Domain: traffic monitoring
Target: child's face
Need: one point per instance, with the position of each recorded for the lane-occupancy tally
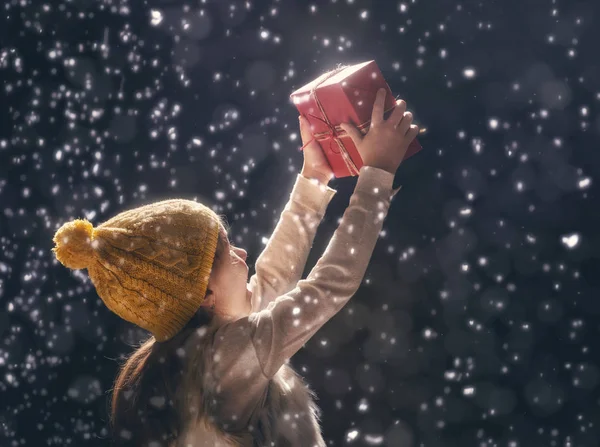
(229, 280)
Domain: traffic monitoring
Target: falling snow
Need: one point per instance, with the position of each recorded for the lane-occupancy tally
(477, 321)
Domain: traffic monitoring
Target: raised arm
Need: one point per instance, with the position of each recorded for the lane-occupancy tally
(251, 350)
(280, 265)
(248, 352)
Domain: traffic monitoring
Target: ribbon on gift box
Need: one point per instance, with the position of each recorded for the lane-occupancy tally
(335, 132)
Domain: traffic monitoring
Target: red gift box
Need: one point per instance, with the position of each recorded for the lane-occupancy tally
(346, 94)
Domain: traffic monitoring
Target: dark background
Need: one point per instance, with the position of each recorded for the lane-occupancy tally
(477, 324)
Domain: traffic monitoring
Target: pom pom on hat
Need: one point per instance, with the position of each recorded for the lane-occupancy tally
(74, 247)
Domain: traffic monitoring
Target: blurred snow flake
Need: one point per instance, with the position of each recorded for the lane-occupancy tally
(469, 73)
(493, 123)
(85, 389)
(374, 439)
(156, 17)
(429, 333)
(158, 401)
(584, 183)
(570, 240)
(477, 145)
(352, 435)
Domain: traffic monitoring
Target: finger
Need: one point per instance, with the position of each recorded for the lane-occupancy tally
(398, 113)
(412, 133)
(377, 114)
(404, 125)
(305, 132)
(354, 134)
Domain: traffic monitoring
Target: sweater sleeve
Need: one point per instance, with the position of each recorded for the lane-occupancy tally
(249, 351)
(280, 265)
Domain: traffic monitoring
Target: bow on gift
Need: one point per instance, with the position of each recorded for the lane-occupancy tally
(334, 133)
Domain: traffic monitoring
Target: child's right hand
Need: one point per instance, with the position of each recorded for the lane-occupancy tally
(386, 142)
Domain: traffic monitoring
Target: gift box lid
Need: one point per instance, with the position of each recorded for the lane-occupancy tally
(335, 79)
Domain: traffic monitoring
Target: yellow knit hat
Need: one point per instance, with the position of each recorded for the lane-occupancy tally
(150, 265)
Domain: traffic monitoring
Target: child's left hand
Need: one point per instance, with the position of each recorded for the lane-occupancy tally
(315, 163)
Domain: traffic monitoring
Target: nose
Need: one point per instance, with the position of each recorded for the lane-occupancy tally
(241, 253)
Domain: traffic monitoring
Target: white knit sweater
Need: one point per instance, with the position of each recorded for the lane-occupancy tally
(251, 397)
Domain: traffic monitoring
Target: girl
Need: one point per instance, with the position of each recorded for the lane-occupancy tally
(214, 372)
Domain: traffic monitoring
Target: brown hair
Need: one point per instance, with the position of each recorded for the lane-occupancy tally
(150, 398)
